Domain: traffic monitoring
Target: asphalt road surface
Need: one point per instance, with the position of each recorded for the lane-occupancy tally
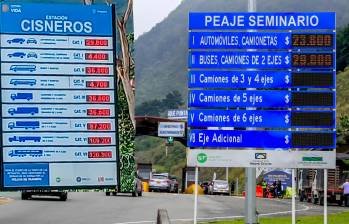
(96, 208)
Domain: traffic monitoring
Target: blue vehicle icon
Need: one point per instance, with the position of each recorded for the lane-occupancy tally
(16, 40)
(24, 124)
(30, 82)
(21, 96)
(29, 68)
(31, 41)
(23, 110)
(23, 153)
(17, 55)
(24, 139)
(32, 55)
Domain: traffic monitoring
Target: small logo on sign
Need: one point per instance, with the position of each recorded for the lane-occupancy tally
(202, 158)
(58, 179)
(260, 156)
(312, 159)
(78, 179)
(5, 8)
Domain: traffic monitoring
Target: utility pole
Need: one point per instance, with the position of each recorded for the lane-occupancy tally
(250, 173)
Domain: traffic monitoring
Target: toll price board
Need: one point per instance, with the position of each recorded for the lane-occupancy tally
(260, 79)
(260, 40)
(266, 139)
(261, 119)
(57, 95)
(261, 99)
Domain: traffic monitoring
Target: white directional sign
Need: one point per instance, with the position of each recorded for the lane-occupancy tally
(171, 129)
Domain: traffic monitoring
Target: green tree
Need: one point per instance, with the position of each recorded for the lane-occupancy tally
(343, 130)
(173, 100)
(343, 48)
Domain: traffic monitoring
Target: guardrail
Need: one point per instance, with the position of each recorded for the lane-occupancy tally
(162, 217)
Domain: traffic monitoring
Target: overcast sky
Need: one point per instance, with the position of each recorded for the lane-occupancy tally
(147, 13)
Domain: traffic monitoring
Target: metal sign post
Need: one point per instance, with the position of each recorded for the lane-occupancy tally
(196, 194)
(293, 196)
(325, 195)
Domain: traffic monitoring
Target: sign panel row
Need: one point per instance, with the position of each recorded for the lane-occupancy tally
(56, 56)
(57, 82)
(261, 159)
(261, 98)
(261, 118)
(56, 69)
(35, 125)
(259, 40)
(67, 96)
(58, 154)
(58, 110)
(266, 139)
(61, 42)
(260, 79)
(260, 60)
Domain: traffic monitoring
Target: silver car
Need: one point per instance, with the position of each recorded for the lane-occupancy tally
(160, 182)
(219, 187)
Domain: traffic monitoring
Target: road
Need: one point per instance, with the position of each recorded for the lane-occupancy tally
(96, 208)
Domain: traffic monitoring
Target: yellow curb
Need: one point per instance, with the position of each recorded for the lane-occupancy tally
(5, 200)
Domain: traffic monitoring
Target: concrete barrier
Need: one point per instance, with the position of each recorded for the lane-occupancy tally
(162, 217)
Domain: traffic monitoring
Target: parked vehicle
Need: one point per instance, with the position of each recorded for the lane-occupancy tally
(160, 182)
(311, 184)
(24, 124)
(22, 96)
(30, 82)
(16, 40)
(23, 110)
(219, 187)
(174, 184)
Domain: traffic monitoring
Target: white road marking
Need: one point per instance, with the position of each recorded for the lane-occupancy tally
(305, 208)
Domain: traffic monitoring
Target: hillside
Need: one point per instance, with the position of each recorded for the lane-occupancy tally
(343, 93)
(161, 54)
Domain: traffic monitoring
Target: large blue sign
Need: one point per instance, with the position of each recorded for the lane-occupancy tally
(248, 118)
(60, 19)
(262, 21)
(259, 79)
(239, 60)
(254, 139)
(59, 65)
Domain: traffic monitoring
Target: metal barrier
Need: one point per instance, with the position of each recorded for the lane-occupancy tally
(162, 217)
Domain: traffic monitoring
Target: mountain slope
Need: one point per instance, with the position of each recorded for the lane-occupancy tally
(161, 54)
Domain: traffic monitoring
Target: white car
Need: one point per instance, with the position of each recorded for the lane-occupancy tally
(219, 187)
(160, 182)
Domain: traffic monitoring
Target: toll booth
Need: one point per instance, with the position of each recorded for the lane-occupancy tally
(144, 171)
(188, 177)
